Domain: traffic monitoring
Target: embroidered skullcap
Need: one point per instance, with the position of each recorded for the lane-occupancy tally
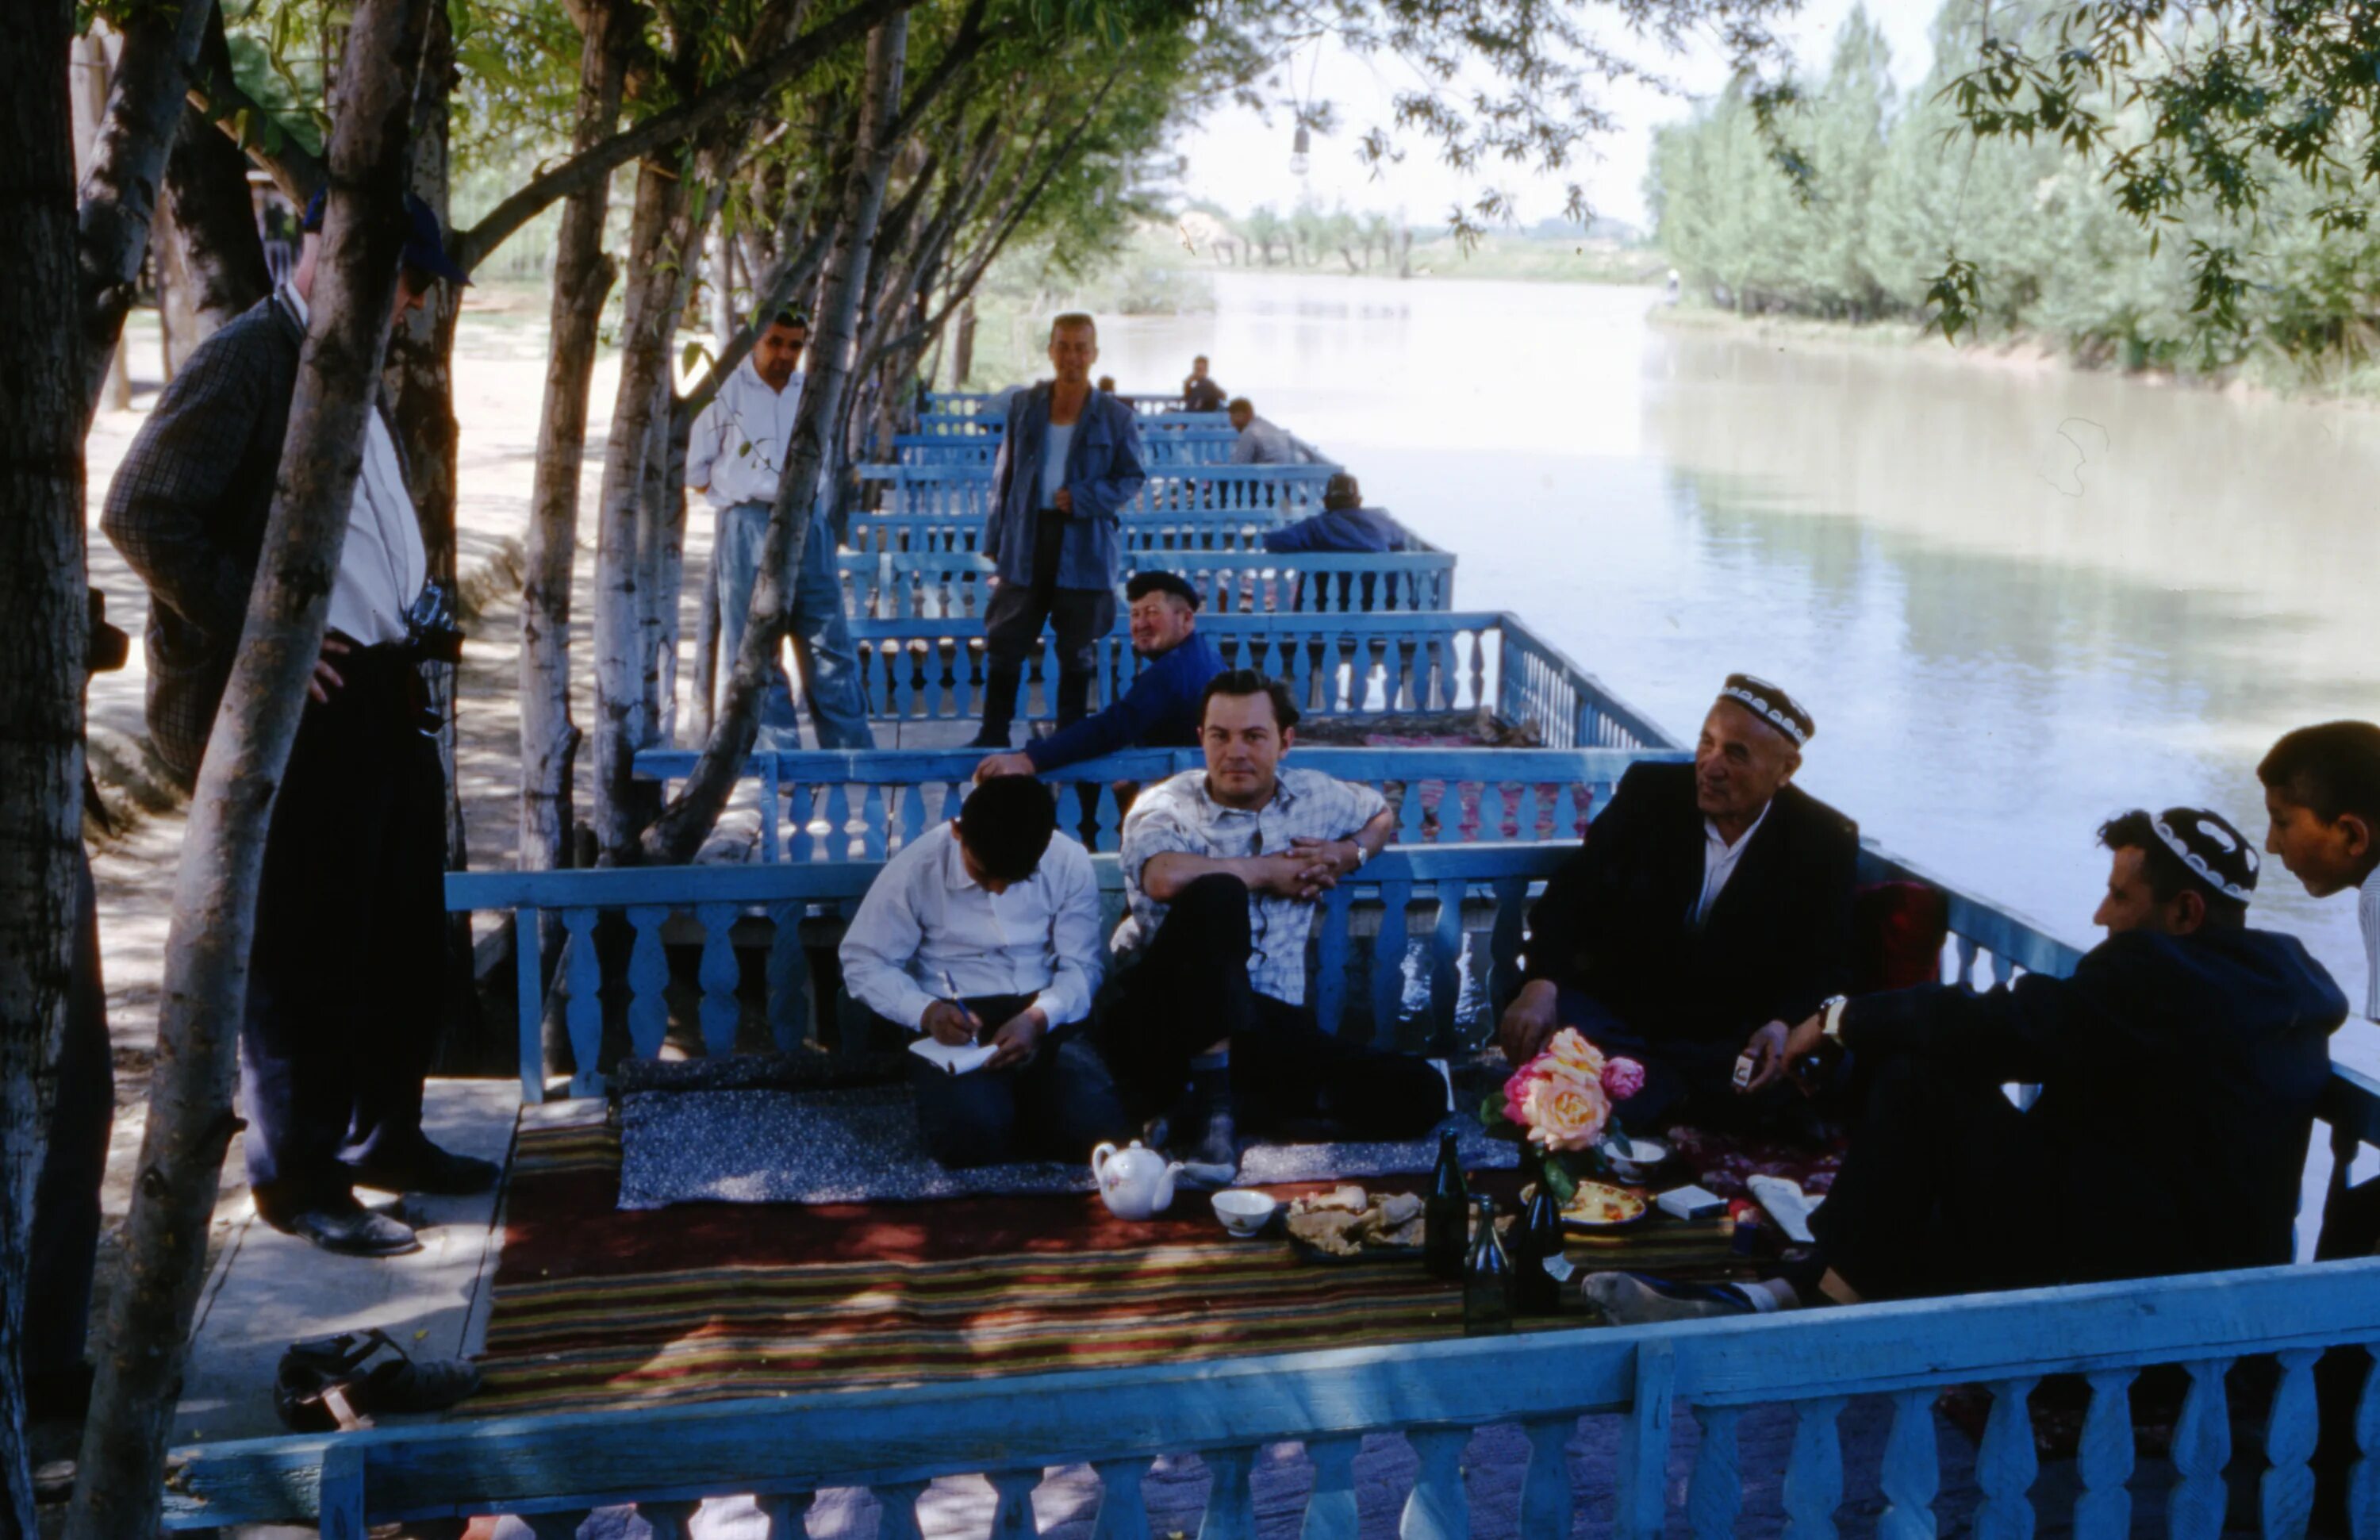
(2212, 847)
(1770, 704)
(1140, 584)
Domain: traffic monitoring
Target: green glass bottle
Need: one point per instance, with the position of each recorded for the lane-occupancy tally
(1536, 1237)
(1486, 1279)
(1444, 1242)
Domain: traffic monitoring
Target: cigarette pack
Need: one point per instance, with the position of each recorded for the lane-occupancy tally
(1692, 1203)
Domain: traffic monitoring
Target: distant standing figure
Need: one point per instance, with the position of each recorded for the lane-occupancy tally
(1067, 466)
(733, 457)
(1262, 443)
(1200, 393)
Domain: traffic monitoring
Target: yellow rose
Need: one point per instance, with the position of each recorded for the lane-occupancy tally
(1564, 1114)
(1577, 1056)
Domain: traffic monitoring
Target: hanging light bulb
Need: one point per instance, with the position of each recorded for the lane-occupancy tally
(1298, 158)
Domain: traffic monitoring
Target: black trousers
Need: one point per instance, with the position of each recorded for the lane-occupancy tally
(345, 986)
(1190, 987)
(1011, 629)
(1055, 1106)
(1929, 1200)
(65, 1241)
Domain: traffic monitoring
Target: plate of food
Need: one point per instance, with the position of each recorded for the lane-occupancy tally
(1347, 1224)
(1599, 1207)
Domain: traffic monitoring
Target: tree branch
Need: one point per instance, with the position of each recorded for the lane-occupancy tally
(297, 171)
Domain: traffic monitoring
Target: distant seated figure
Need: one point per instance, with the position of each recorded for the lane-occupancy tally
(1160, 710)
(2178, 1068)
(1207, 1024)
(1262, 443)
(1107, 383)
(986, 930)
(1344, 524)
(1709, 907)
(1200, 393)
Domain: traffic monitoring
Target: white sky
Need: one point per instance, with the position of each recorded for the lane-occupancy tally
(1239, 161)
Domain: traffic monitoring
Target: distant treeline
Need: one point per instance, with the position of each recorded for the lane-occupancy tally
(1894, 185)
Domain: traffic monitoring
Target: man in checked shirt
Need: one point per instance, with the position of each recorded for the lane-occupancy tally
(1208, 1023)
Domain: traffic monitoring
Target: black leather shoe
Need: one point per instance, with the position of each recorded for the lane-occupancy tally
(350, 1230)
(441, 1173)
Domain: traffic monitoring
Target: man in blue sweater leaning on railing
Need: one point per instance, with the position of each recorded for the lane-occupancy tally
(1160, 710)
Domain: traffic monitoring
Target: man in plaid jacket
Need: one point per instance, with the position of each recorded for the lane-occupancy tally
(343, 980)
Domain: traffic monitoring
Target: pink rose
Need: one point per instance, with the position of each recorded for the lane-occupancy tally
(1516, 1092)
(1564, 1113)
(1622, 1078)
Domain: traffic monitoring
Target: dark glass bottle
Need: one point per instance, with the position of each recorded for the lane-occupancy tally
(1445, 1212)
(1535, 1237)
(1486, 1279)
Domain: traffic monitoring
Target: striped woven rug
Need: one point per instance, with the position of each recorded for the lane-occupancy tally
(597, 1308)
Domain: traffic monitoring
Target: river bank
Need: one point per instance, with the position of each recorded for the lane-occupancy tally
(2022, 354)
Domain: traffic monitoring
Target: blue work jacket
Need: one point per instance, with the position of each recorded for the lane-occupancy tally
(1104, 472)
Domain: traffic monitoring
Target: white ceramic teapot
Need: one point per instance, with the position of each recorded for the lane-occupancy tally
(1134, 1183)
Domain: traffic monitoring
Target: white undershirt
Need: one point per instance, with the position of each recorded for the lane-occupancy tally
(381, 563)
(1053, 461)
(1720, 860)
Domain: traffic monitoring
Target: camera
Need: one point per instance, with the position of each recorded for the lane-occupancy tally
(430, 626)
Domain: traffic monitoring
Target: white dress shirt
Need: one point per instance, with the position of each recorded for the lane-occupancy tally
(737, 448)
(382, 564)
(924, 916)
(1720, 860)
(2367, 909)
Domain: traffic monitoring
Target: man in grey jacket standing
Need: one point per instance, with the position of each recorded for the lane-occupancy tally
(1069, 464)
(344, 996)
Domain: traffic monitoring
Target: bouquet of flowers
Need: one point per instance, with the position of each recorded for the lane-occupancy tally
(1563, 1101)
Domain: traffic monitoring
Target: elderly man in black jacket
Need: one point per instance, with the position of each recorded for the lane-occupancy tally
(1709, 907)
(343, 995)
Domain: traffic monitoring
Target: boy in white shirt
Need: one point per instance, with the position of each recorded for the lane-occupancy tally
(2322, 793)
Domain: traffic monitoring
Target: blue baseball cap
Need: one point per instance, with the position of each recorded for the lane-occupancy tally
(425, 243)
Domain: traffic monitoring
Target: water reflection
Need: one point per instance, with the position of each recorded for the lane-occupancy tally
(2017, 599)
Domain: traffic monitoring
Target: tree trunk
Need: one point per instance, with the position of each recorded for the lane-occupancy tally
(119, 195)
(962, 351)
(120, 1478)
(679, 833)
(658, 240)
(582, 277)
(220, 255)
(88, 86)
(178, 319)
(42, 632)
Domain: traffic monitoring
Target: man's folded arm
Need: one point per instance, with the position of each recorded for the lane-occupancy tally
(876, 953)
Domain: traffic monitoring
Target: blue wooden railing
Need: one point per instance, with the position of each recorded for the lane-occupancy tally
(901, 585)
(834, 806)
(1178, 446)
(886, 530)
(1283, 491)
(1717, 1379)
(1335, 665)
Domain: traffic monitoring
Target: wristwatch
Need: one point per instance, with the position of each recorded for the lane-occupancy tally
(1832, 1009)
(1362, 855)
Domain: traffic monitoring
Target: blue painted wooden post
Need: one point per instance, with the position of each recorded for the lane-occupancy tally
(1331, 951)
(528, 1000)
(788, 977)
(1123, 1513)
(1715, 1487)
(1545, 1500)
(1913, 1469)
(1389, 956)
(1814, 1471)
(648, 980)
(584, 1015)
(556, 1524)
(1641, 1500)
(1013, 1519)
(1446, 946)
(2363, 1478)
(668, 1521)
(340, 1501)
(1439, 1508)
(1330, 1512)
(2285, 1494)
(769, 793)
(1231, 1503)
(718, 974)
(2201, 1447)
(896, 1509)
(2007, 1464)
(2103, 1509)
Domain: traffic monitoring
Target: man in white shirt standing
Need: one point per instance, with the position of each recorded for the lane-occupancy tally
(985, 933)
(344, 996)
(734, 458)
